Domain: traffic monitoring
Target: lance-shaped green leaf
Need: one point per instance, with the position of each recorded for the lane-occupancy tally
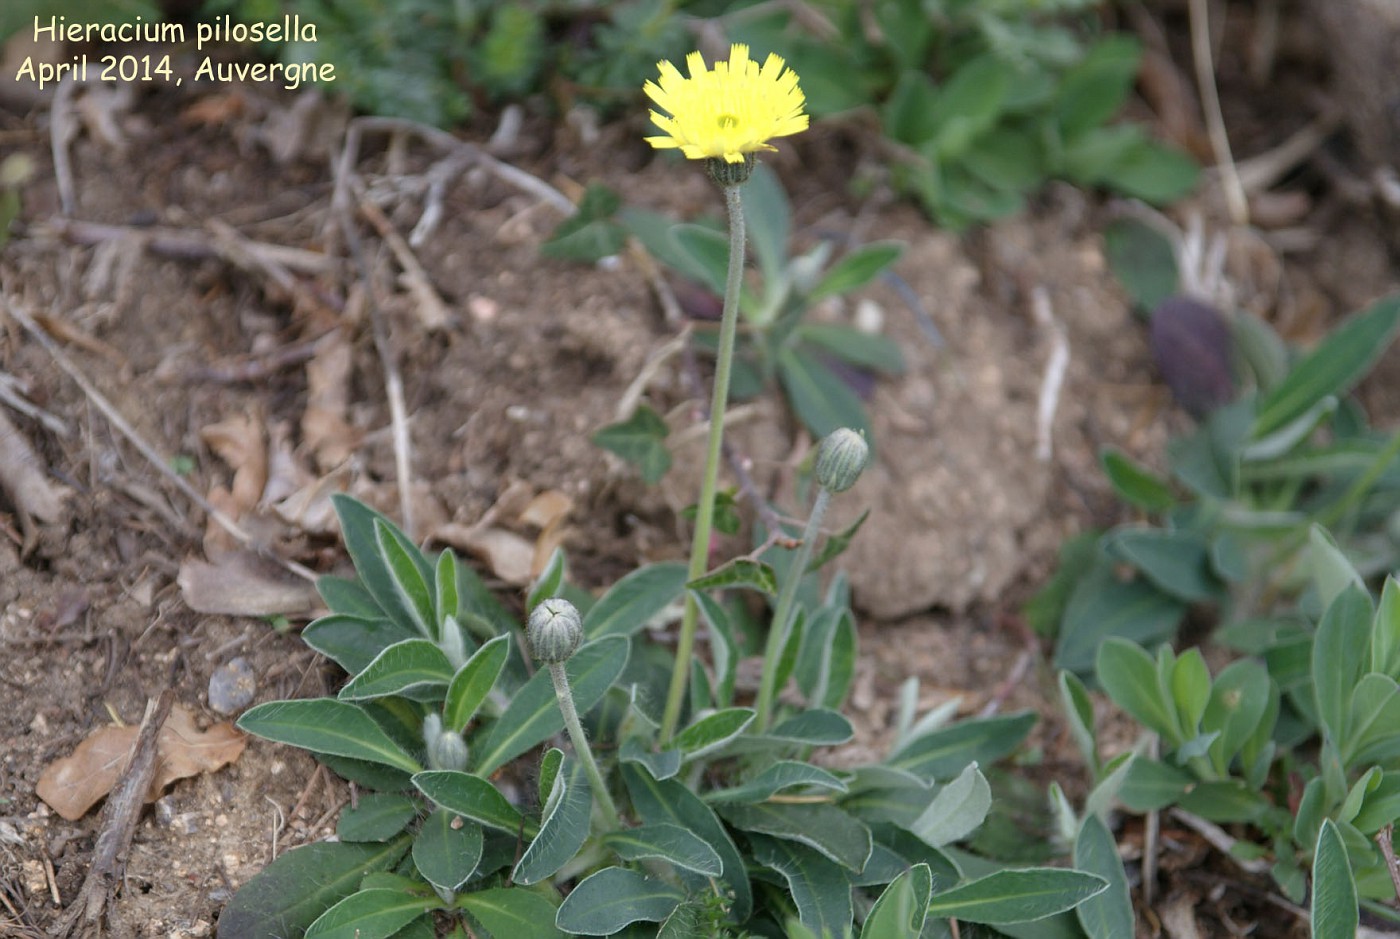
(1016, 896)
(1241, 697)
(508, 911)
(326, 725)
(724, 650)
(359, 527)
(549, 583)
(1129, 676)
(378, 816)
(868, 350)
(352, 642)
(614, 897)
(900, 911)
(1175, 561)
(857, 269)
(1332, 571)
(473, 682)
(956, 811)
(1101, 605)
(1339, 653)
(405, 667)
(668, 802)
(834, 546)
(712, 732)
(1109, 915)
(820, 888)
(1333, 367)
(447, 849)
(1143, 259)
(471, 796)
(290, 893)
(533, 714)
(739, 572)
(412, 584)
(1385, 631)
(1373, 730)
(943, 753)
(673, 844)
(634, 599)
(815, 727)
(377, 913)
(1135, 484)
(821, 399)
(563, 829)
(820, 826)
(662, 765)
(348, 597)
(447, 600)
(1335, 913)
(785, 774)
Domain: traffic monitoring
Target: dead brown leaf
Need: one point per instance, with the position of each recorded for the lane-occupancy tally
(75, 783)
(239, 442)
(324, 428)
(24, 479)
(215, 110)
(1178, 913)
(239, 583)
(285, 473)
(509, 556)
(310, 508)
(102, 108)
(547, 509)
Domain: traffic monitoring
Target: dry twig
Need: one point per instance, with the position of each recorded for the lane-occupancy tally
(1220, 840)
(185, 243)
(1054, 377)
(1384, 839)
(432, 312)
(1235, 199)
(63, 126)
(119, 817)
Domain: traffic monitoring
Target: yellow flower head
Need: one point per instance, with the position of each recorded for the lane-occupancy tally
(729, 112)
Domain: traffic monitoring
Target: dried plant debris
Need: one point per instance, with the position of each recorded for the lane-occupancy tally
(241, 583)
(513, 557)
(24, 480)
(74, 784)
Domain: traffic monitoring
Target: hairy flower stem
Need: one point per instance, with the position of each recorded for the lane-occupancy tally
(782, 613)
(585, 753)
(705, 510)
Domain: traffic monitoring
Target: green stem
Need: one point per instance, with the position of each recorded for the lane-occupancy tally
(581, 747)
(782, 613)
(705, 510)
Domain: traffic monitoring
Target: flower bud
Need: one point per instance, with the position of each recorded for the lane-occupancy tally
(446, 749)
(840, 460)
(449, 751)
(555, 630)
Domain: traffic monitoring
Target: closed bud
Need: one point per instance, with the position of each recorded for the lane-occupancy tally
(448, 751)
(555, 630)
(840, 460)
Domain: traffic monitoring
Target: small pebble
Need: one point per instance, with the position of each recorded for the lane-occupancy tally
(232, 686)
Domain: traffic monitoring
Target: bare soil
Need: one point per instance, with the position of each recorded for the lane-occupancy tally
(501, 399)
